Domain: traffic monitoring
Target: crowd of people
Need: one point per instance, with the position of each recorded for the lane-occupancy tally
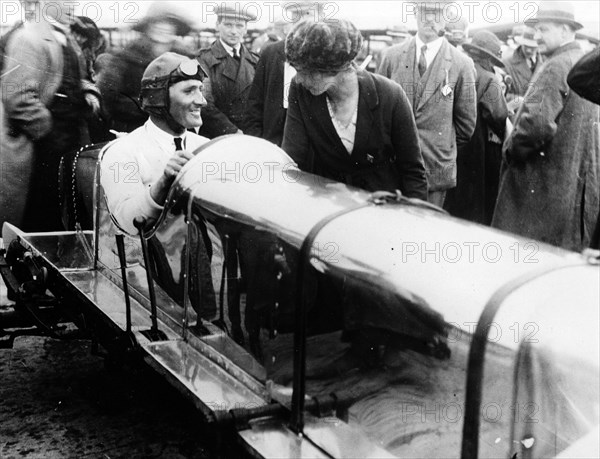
(434, 121)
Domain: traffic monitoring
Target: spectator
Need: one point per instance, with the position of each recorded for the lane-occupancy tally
(478, 164)
(457, 31)
(399, 34)
(550, 173)
(521, 66)
(119, 84)
(344, 123)
(439, 81)
(46, 100)
(230, 68)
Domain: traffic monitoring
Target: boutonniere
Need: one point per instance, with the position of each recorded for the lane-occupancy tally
(446, 89)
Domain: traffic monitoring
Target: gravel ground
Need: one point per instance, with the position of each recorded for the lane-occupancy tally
(59, 401)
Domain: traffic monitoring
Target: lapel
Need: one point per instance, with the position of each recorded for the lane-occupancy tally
(368, 100)
(435, 75)
(407, 69)
(45, 31)
(245, 74)
(230, 68)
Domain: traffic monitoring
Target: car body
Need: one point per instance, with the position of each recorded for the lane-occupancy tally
(520, 318)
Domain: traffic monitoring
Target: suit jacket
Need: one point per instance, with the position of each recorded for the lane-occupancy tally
(386, 154)
(32, 73)
(443, 121)
(266, 115)
(549, 188)
(230, 85)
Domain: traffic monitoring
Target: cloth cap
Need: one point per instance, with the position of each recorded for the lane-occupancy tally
(324, 46)
(555, 11)
(487, 45)
(235, 11)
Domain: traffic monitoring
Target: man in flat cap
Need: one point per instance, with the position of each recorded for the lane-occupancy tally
(230, 66)
(439, 81)
(550, 174)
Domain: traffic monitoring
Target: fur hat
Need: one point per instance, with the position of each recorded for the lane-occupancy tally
(324, 46)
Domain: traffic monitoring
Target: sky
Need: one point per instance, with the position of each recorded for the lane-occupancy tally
(374, 14)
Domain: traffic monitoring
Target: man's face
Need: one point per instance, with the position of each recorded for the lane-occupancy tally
(31, 9)
(430, 21)
(528, 51)
(232, 30)
(185, 102)
(550, 36)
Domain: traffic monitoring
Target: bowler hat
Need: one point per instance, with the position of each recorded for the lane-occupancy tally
(554, 11)
(485, 44)
(235, 11)
(527, 38)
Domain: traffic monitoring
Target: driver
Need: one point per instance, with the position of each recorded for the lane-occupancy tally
(138, 169)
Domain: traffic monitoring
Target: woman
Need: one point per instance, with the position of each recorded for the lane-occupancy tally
(344, 123)
(349, 125)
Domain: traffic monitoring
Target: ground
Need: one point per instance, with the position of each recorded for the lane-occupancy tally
(59, 401)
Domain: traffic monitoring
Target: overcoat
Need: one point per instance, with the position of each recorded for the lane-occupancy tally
(549, 180)
(444, 118)
(31, 74)
(266, 115)
(230, 85)
(479, 161)
(386, 154)
(517, 68)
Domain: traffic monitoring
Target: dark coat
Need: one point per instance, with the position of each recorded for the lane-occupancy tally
(230, 85)
(517, 68)
(266, 115)
(584, 77)
(386, 154)
(479, 161)
(443, 121)
(550, 172)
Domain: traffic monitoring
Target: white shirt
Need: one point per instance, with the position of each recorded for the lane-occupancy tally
(432, 49)
(229, 49)
(132, 164)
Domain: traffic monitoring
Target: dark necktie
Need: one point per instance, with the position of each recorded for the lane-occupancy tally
(178, 143)
(531, 64)
(422, 61)
(236, 54)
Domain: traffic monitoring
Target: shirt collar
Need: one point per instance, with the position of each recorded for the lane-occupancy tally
(432, 47)
(229, 49)
(164, 139)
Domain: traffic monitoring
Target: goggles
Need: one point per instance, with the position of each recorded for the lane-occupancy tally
(187, 70)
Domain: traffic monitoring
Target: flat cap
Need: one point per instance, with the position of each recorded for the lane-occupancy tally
(235, 11)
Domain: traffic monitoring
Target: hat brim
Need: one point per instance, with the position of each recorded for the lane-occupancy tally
(478, 51)
(532, 22)
(182, 28)
(525, 41)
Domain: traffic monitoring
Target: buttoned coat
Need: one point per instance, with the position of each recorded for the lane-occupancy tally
(266, 115)
(443, 121)
(386, 154)
(550, 170)
(31, 75)
(230, 85)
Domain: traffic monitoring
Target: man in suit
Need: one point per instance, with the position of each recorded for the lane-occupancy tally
(549, 187)
(521, 66)
(46, 100)
(230, 66)
(439, 81)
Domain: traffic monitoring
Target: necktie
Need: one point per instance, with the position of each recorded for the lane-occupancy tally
(531, 64)
(178, 143)
(422, 61)
(236, 54)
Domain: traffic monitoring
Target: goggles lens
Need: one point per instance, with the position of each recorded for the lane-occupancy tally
(189, 68)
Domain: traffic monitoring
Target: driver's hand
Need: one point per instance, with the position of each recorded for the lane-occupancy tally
(176, 163)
